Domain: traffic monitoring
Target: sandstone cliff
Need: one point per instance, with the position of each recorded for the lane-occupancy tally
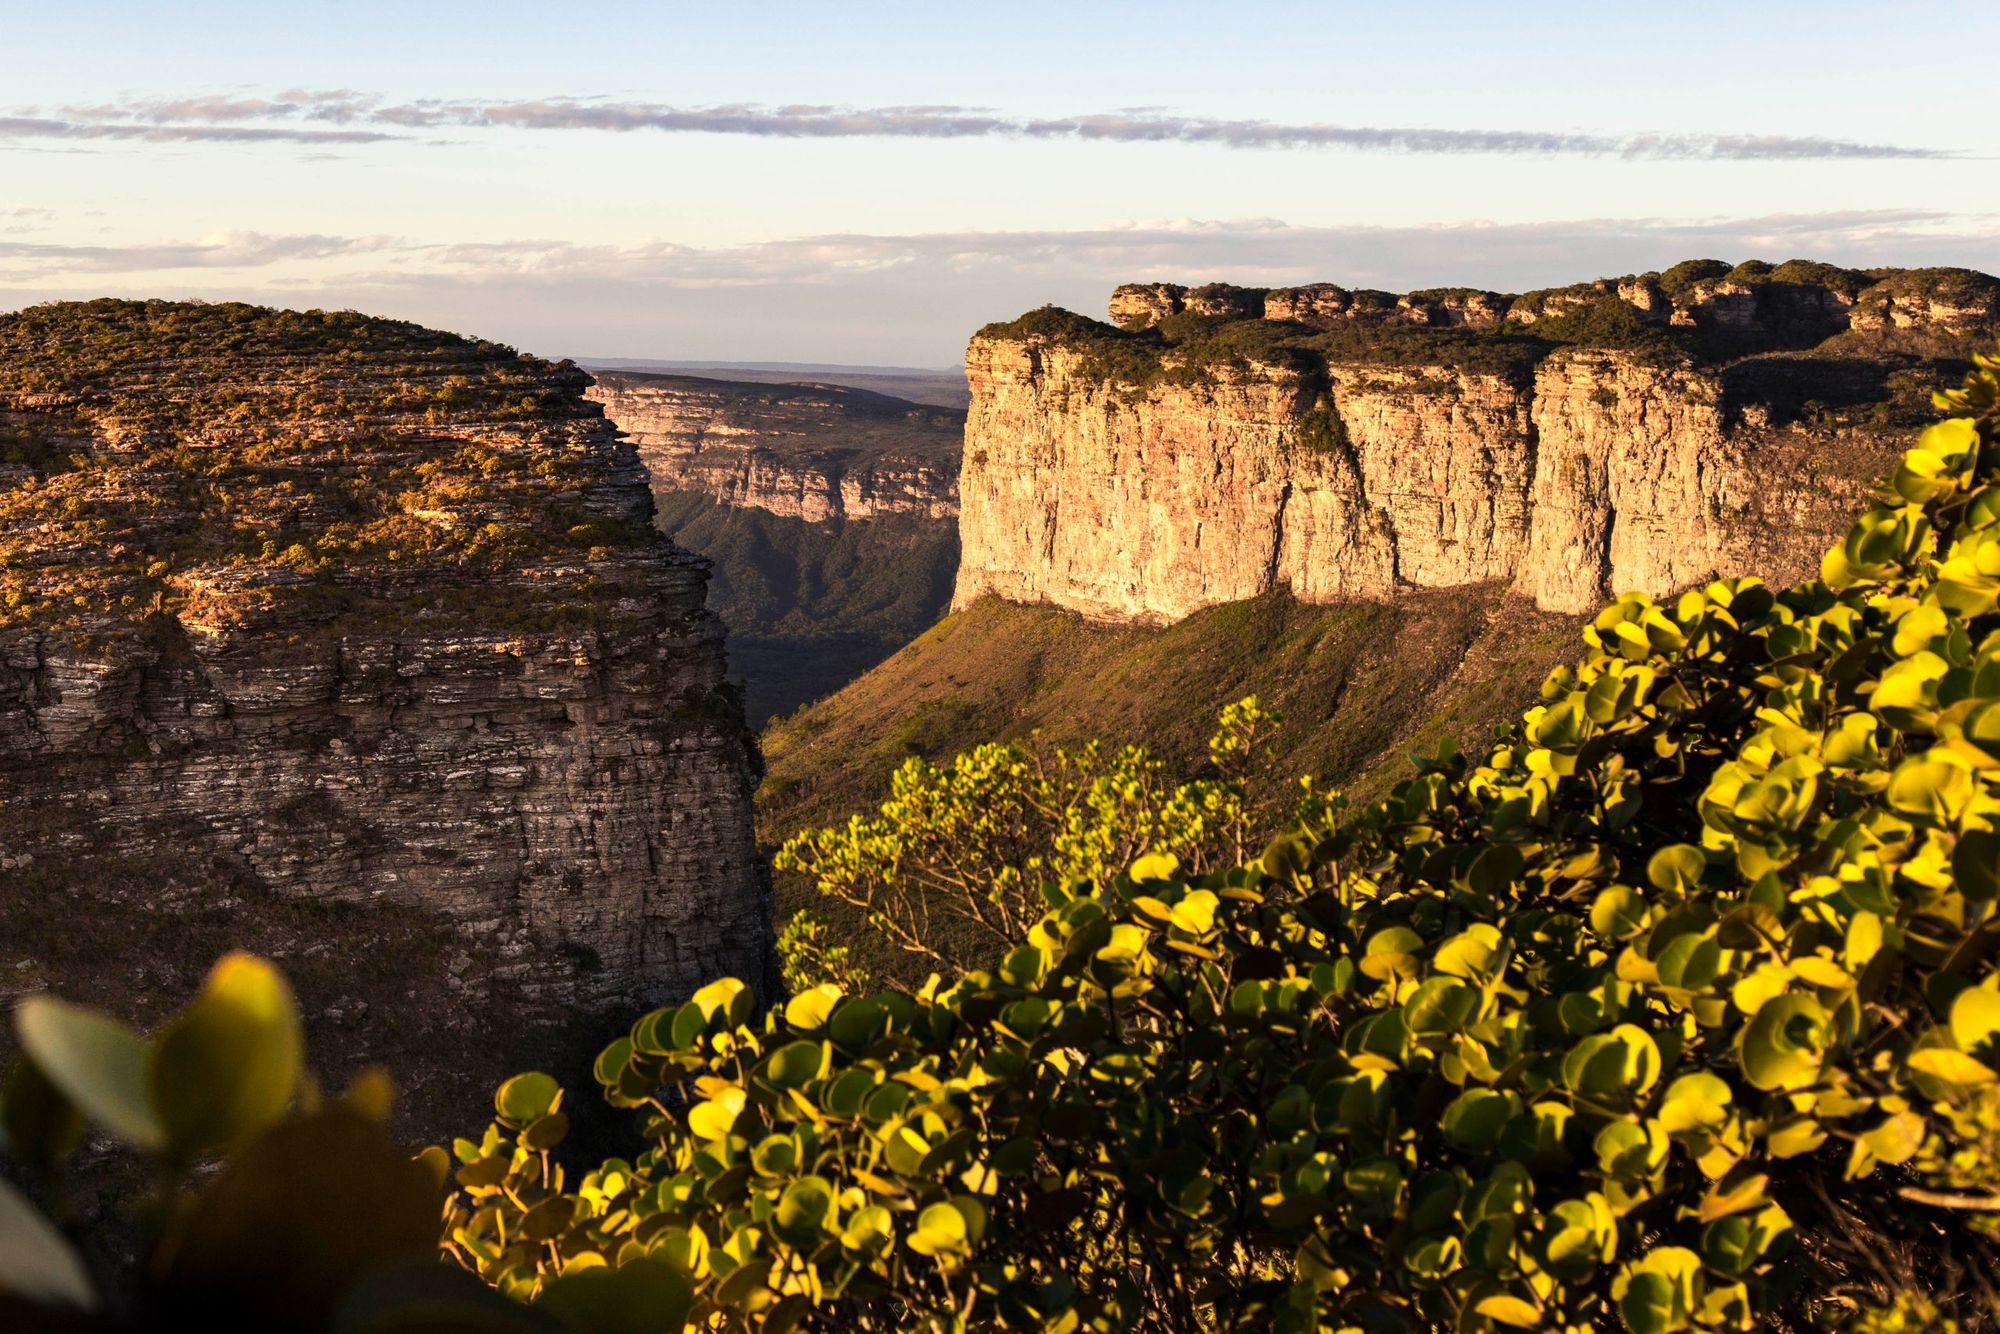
(1646, 433)
(812, 452)
(313, 609)
(830, 514)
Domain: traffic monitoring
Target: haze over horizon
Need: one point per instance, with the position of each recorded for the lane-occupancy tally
(863, 186)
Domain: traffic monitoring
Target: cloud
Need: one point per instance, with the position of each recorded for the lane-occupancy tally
(1253, 250)
(301, 116)
(83, 130)
(912, 299)
(227, 250)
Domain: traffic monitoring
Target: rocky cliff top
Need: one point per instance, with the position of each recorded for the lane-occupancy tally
(817, 424)
(226, 463)
(1700, 312)
(353, 643)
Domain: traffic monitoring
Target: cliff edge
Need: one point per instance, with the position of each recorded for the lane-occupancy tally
(320, 633)
(1647, 432)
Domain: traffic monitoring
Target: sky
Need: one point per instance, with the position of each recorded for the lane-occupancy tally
(866, 183)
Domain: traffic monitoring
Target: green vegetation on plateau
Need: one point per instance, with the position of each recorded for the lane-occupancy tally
(230, 460)
(1359, 684)
(1674, 1008)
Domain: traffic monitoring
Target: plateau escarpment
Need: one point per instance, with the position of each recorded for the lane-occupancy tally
(830, 514)
(812, 452)
(1647, 432)
(352, 641)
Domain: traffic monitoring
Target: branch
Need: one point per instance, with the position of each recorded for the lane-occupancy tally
(1985, 1204)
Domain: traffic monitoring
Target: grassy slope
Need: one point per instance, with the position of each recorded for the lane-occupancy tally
(1360, 685)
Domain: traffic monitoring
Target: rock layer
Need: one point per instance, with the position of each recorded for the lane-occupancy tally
(1645, 433)
(830, 514)
(814, 452)
(423, 649)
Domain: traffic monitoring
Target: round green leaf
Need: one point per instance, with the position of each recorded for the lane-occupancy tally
(1783, 1042)
(728, 1000)
(1676, 869)
(1975, 1018)
(802, 1209)
(716, 1117)
(807, 1012)
(99, 1064)
(641, 1296)
(1648, 1305)
(1475, 1118)
(525, 1098)
(869, 1232)
(228, 1065)
(1625, 1060)
(795, 1064)
(940, 1230)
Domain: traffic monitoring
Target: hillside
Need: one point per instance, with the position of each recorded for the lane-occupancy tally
(1361, 685)
(1384, 515)
(829, 513)
(353, 643)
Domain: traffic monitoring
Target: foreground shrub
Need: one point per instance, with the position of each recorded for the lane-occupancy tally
(1676, 1009)
(311, 1220)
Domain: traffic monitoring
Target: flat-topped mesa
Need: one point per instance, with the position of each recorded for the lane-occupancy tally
(347, 611)
(804, 451)
(1797, 304)
(1647, 432)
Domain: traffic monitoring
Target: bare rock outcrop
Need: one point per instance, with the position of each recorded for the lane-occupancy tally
(813, 452)
(1649, 432)
(349, 613)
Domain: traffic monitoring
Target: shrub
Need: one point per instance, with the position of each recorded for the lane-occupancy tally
(312, 1220)
(1674, 1010)
(952, 866)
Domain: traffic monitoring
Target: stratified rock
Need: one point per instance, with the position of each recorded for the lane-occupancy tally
(830, 513)
(812, 452)
(344, 611)
(1142, 305)
(1648, 432)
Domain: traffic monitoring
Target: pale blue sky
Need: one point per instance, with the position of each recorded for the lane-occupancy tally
(868, 182)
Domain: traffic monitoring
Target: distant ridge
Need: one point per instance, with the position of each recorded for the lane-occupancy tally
(943, 387)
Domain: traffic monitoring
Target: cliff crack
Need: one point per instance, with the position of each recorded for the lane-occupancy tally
(1277, 537)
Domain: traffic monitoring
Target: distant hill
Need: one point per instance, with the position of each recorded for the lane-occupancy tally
(830, 513)
(943, 387)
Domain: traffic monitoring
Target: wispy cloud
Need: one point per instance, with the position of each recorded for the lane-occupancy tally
(912, 298)
(84, 130)
(345, 116)
(1253, 250)
(227, 250)
(1257, 250)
